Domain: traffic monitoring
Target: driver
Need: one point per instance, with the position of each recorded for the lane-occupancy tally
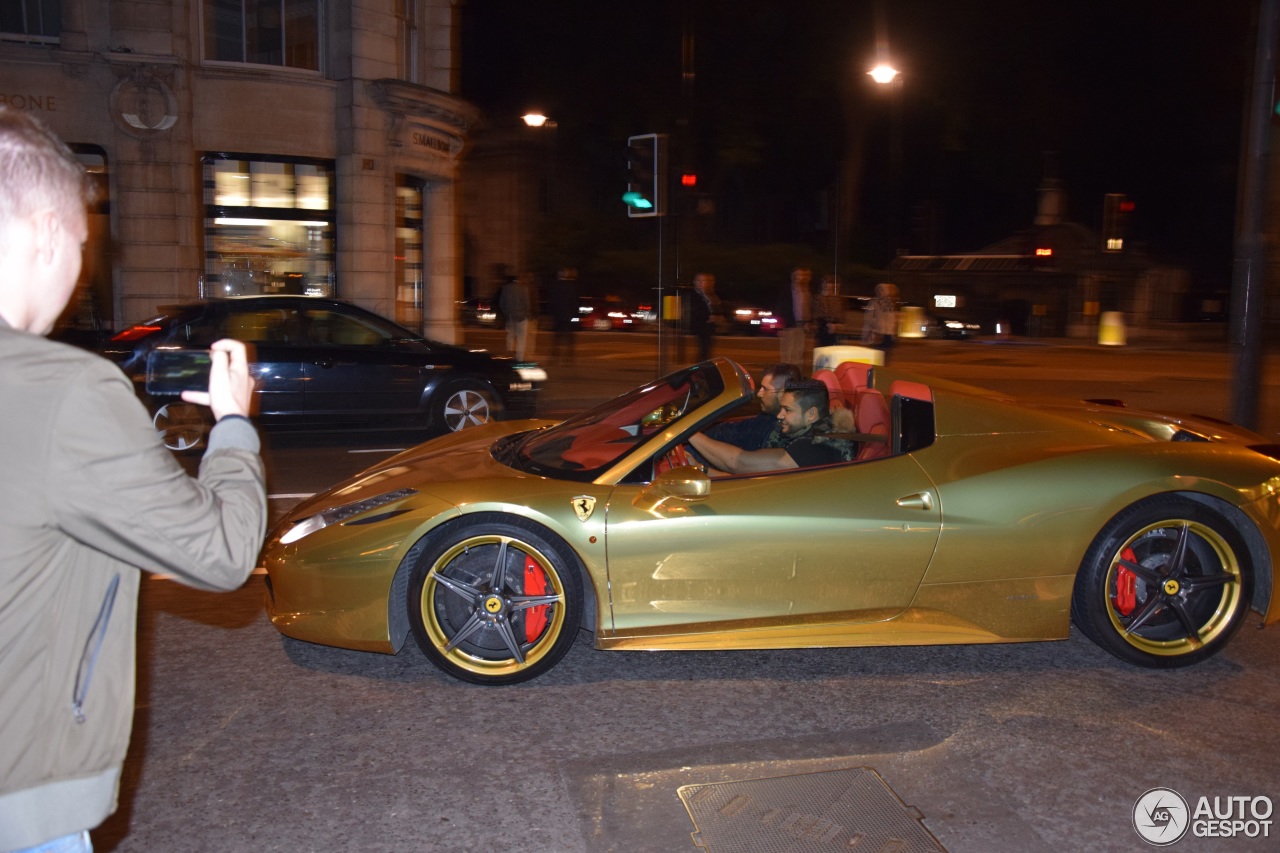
(803, 439)
(755, 432)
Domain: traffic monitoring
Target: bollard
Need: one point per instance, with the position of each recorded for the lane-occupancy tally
(1111, 329)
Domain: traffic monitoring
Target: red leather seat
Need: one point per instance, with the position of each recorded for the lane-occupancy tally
(872, 417)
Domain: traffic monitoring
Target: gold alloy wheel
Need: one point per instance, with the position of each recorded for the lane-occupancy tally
(493, 605)
(1186, 588)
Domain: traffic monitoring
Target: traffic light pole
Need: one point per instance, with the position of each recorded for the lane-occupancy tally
(1249, 269)
(662, 306)
(646, 196)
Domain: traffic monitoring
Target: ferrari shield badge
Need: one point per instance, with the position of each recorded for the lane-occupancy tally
(583, 506)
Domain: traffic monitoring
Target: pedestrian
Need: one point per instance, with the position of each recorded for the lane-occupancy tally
(829, 313)
(880, 323)
(794, 311)
(89, 500)
(516, 304)
(705, 313)
(563, 304)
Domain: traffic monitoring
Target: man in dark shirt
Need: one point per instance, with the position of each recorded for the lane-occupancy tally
(803, 441)
(704, 312)
(754, 433)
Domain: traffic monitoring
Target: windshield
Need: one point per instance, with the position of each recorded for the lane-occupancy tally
(584, 446)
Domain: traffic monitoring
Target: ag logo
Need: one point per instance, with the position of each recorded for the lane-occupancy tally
(583, 506)
(1161, 816)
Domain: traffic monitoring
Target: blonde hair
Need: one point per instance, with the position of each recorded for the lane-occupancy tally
(37, 172)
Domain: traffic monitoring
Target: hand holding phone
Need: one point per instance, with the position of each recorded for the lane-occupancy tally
(230, 389)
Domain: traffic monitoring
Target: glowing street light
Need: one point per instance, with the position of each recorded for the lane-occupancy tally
(534, 119)
(883, 73)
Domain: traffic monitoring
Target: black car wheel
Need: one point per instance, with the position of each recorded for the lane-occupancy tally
(465, 405)
(496, 600)
(182, 426)
(1165, 584)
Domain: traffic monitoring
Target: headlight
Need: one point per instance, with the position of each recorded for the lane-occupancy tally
(531, 373)
(339, 514)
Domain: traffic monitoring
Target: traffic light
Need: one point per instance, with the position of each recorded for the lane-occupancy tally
(646, 175)
(1116, 211)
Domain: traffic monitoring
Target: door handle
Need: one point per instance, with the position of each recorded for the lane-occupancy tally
(920, 500)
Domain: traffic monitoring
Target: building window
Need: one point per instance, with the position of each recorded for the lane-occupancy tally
(37, 21)
(407, 39)
(264, 32)
(269, 226)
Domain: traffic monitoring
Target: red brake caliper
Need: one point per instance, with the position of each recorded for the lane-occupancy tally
(1126, 585)
(535, 583)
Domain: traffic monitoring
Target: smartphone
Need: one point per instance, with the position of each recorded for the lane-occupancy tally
(172, 371)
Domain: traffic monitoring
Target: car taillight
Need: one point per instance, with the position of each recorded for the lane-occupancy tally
(134, 333)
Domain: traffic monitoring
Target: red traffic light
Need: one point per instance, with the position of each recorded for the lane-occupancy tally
(688, 179)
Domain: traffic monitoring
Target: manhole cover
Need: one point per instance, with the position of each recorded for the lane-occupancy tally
(833, 810)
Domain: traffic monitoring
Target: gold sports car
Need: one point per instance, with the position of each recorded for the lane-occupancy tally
(967, 517)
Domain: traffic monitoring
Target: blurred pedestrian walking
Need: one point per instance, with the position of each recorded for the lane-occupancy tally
(794, 309)
(880, 325)
(516, 303)
(705, 313)
(829, 313)
(563, 302)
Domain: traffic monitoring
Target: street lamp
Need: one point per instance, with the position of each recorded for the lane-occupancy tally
(885, 75)
(537, 120)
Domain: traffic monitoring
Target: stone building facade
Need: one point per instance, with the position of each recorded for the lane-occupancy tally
(255, 146)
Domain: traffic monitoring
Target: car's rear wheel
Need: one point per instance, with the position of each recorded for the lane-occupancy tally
(464, 405)
(495, 600)
(1165, 584)
(182, 426)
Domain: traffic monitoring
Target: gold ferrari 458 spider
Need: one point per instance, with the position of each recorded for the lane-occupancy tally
(964, 517)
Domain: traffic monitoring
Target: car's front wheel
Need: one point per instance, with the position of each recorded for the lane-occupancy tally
(464, 405)
(1165, 584)
(495, 600)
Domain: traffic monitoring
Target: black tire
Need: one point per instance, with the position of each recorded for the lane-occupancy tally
(463, 405)
(183, 427)
(1165, 584)
(495, 600)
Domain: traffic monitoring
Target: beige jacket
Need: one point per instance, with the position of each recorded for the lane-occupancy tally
(89, 498)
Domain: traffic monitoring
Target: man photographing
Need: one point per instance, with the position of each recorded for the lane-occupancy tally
(90, 499)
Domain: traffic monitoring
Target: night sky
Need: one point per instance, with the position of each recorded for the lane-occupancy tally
(1143, 97)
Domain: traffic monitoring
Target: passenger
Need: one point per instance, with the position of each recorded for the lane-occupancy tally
(755, 433)
(803, 439)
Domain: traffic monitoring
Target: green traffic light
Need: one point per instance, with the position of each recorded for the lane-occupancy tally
(637, 200)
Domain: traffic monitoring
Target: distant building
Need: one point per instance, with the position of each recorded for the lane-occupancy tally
(310, 146)
(1053, 279)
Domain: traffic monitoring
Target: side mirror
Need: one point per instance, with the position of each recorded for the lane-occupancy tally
(686, 483)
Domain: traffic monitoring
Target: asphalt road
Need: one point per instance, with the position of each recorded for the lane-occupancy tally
(247, 741)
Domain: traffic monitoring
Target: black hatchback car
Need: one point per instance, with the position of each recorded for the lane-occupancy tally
(324, 364)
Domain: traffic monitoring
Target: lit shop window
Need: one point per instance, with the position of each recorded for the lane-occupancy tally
(268, 226)
(264, 32)
(410, 282)
(35, 21)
